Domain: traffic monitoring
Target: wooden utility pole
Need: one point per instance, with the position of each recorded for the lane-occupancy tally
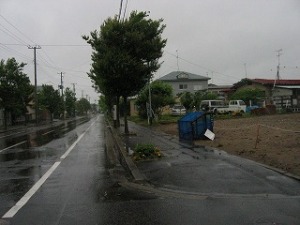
(62, 94)
(35, 82)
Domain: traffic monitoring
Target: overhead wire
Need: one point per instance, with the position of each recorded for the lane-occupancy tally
(17, 29)
(202, 67)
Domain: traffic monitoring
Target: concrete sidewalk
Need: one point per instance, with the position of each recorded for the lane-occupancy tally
(194, 169)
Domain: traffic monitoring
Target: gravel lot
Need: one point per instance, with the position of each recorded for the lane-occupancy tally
(272, 139)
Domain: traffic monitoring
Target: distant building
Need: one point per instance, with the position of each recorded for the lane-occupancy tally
(221, 90)
(282, 93)
(184, 81)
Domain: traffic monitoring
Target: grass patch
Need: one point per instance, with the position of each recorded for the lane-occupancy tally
(146, 151)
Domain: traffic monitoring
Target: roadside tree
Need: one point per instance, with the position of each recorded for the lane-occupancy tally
(202, 95)
(70, 100)
(186, 100)
(15, 90)
(125, 54)
(249, 94)
(50, 100)
(83, 106)
(161, 95)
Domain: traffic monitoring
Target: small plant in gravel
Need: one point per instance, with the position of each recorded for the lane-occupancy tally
(146, 151)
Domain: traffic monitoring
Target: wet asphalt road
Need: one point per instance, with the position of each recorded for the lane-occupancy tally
(84, 190)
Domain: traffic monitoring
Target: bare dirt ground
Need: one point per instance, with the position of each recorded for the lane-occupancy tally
(273, 140)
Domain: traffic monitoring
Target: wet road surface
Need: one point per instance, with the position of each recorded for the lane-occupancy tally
(83, 190)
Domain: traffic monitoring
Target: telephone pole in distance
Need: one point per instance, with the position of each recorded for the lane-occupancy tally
(35, 81)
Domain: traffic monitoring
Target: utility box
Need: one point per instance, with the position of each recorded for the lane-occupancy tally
(193, 125)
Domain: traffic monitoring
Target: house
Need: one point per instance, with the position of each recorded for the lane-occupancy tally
(221, 91)
(282, 93)
(184, 81)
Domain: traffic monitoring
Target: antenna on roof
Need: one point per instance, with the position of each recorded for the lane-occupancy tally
(279, 53)
(177, 60)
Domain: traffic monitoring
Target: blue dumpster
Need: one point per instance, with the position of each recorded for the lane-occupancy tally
(193, 125)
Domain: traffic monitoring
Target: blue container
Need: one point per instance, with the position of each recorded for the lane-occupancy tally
(193, 125)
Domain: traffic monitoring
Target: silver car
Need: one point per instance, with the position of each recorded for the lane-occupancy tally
(178, 110)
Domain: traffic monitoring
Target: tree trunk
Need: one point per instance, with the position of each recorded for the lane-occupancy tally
(5, 119)
(118, 111)
(125, 116)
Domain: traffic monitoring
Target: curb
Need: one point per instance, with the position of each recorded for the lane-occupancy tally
(295, 177)
(117, 153)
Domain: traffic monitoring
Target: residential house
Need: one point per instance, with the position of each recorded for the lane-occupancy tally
(282, 93)
(184, 81)
(221, 91)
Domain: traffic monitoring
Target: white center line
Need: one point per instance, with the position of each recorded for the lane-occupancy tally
(22, 142)
(10, 213)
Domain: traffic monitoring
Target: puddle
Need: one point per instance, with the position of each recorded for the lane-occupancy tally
(25, 146)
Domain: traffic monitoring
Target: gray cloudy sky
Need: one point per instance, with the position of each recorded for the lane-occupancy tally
(223, 39)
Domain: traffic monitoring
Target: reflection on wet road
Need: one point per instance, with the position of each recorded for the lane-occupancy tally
(19, 145)
(25, 155)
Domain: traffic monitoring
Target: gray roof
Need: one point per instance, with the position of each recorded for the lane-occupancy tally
(173, 76)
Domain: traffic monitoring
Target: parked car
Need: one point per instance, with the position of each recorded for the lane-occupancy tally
(211, 105)
(178, 110)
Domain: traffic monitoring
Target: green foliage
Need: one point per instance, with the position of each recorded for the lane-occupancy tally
(83, 106)
(203, 95)
(161, 95)
(146, 151)
(247, 94)
(125, 54)
(242, 83)
(50, 99)
(104, 104)
(186, 99)
(15, 88)
(70, 102)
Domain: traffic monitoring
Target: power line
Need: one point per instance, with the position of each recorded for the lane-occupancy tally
(205, 68)
(12, 35)
(17, 29)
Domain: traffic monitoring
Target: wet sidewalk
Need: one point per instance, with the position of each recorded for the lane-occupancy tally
(196, 169)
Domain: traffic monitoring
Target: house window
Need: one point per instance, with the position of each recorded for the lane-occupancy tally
(183, 76)
(198, 87)
(182, 86)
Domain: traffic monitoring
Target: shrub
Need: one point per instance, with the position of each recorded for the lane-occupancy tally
(146, 151)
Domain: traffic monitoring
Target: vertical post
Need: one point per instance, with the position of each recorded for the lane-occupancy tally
(150, 106)
(74, 90)
(35, 82)
(62, 94)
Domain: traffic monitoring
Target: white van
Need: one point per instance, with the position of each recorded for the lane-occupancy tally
(211, 105)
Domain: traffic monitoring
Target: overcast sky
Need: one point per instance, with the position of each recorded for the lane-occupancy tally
(226, 40)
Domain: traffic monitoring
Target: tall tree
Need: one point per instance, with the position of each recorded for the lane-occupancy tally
(186, 100)
(161, 95)
(70, 102)
(50, 99)
(15, 89)
(83, 106)
(125, 54)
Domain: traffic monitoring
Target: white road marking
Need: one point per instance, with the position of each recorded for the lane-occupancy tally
(22, 142)
(10, 213)
(48, 132)
(30, 193)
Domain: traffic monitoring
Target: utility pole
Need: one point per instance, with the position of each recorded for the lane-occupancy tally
(177, 60)
(74, 90)
(35, 81)
(62, 93)
(279, 53)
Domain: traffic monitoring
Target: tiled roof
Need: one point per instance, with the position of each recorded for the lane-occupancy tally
(175, 75)
(278, 82)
